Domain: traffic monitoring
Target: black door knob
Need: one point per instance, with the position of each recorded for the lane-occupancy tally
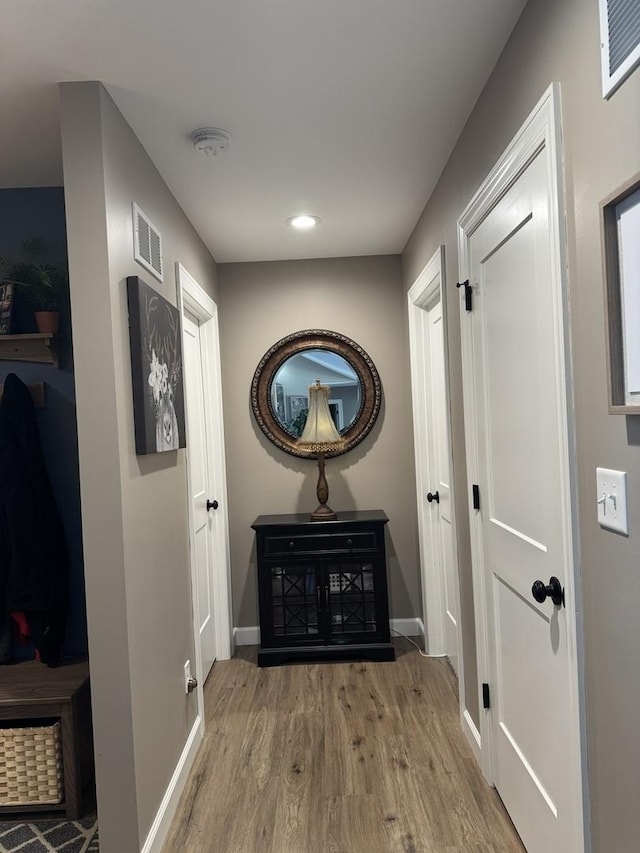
(553, 590)
(212, 505)
(433, 496)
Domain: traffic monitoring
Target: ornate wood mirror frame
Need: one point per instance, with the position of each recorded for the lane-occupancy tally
(315, 339)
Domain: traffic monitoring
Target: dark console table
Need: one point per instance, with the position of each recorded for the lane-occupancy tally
(322, 588)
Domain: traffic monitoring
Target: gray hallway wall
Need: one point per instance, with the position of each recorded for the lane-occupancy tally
(134, 508)
(559, 41)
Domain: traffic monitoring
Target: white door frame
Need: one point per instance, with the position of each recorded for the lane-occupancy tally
(539, 136)
(428, 289)
(193, 298)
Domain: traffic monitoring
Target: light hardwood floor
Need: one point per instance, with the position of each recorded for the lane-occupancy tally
(337, 758)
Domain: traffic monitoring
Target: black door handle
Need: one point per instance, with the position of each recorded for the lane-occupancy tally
(553, 590)
(433, 496)
(212, 505)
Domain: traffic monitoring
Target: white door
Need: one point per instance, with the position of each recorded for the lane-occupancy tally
(439, 508)
(518, 430)
(209, 533)
(200, 494)
(433, 462)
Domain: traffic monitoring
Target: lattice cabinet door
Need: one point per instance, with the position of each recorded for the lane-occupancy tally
(294, 601)
(351, 597)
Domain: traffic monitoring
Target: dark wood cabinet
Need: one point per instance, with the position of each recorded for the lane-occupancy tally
(31, 691)
(322, 588)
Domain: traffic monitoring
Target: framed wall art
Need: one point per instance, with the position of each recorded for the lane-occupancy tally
(298, 406)
(156, 370)
(621, 253)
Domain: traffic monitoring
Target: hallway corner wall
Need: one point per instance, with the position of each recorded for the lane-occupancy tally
(139, 605)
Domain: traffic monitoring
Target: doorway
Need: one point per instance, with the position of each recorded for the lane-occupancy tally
(206, 474)
(436, 525)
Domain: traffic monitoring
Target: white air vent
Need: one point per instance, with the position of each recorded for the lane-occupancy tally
(147, 243)
(620, 41)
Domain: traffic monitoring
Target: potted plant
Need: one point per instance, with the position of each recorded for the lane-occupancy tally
(44, 285)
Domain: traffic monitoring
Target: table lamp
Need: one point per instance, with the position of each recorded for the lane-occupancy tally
(320, 436)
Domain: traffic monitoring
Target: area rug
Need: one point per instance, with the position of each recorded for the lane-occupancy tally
(50, 836)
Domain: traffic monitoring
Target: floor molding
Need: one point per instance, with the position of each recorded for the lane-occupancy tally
(247, 636)
(472, 734)
(160, 827)
(411, 627)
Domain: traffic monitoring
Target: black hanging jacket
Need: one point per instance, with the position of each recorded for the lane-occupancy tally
(34, 563)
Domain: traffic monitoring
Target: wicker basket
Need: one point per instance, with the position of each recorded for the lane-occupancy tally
(31, 765)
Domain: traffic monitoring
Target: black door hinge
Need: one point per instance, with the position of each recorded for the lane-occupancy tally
(476, 496)
(468, 294)
(486, 699)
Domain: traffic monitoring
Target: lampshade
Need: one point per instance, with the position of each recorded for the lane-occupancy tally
(320, 434)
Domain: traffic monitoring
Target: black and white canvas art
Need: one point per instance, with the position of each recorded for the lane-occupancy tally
(156, 369)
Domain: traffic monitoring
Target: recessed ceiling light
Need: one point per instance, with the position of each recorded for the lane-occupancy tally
(303, 222)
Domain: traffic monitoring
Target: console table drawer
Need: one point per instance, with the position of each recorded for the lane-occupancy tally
(365, 540)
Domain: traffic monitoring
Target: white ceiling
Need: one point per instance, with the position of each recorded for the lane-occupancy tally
(346, 109)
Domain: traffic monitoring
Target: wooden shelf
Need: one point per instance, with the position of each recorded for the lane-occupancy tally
(34, 348)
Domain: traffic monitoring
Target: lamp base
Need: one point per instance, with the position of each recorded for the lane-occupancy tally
(323, 513)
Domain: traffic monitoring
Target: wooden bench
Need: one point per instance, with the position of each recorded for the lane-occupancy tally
(31, 690)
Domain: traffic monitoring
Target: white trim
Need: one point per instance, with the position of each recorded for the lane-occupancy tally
(541, 132)
(247, 636)
(169, 805)
(411, 627)
(202, 306)
(428, 288)
(425, 290)
(610, 82)
(472, 734)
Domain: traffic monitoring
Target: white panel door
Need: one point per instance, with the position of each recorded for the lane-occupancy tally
(199, 493)
(441, 511)
(436, 525)
(522, 465)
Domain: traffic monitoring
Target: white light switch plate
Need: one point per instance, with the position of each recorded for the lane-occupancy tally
(611, 499)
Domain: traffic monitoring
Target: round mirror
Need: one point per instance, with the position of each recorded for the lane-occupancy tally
(280, 388)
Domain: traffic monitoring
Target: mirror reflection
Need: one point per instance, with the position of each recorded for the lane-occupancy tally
(280, 388)
(290, 389)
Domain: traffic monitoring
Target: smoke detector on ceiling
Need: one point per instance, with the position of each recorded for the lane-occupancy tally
(210, 140)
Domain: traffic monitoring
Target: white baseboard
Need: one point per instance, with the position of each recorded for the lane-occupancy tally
(160, 827)
(472, 734)
(247, 636)
(409, 627)
(250, 636)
